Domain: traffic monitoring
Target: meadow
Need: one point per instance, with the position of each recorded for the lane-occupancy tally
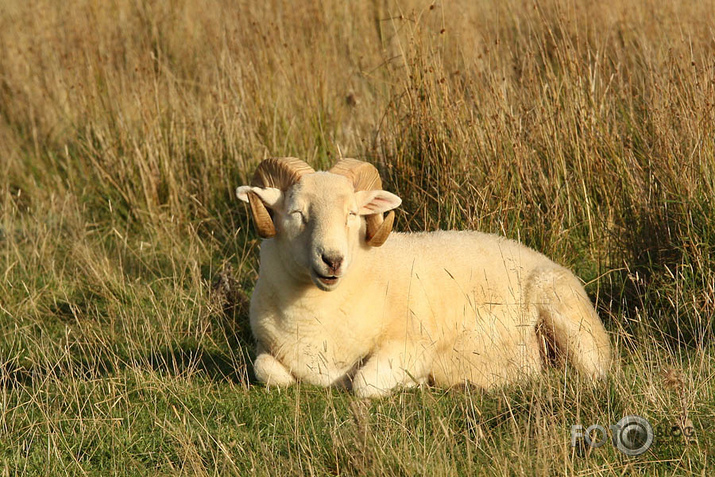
(583, 129)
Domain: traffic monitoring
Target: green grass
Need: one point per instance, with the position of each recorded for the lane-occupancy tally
(585, 130)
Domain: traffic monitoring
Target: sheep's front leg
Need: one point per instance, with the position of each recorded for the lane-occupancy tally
(388, 368)
(270, 371)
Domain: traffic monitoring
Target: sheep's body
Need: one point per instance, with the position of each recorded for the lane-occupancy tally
(332, 307)
(451, 307)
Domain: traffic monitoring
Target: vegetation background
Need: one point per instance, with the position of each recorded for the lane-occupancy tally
(583, 129)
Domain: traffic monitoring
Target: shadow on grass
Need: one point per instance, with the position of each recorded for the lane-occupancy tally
(230, 325)
(224, 356)
(13, 375)
(659, 289)
(187, 360)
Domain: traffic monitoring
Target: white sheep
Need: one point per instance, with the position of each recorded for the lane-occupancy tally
(337, 303)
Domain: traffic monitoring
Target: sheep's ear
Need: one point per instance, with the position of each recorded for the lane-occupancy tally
(260, 198)
(268, 195)
(376, 201)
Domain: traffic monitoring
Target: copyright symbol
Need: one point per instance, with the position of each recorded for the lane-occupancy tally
(634, 435)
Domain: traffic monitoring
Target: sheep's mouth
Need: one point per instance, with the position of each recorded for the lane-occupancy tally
(325, 282)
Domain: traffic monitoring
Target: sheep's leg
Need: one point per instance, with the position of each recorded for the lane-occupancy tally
(389, 367)
(270, 371)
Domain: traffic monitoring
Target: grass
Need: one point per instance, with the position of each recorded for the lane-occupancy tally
(585, 130)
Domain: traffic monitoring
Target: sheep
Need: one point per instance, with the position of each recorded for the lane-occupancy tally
(342, 301)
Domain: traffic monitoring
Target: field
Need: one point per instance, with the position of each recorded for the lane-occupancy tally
(583, 129)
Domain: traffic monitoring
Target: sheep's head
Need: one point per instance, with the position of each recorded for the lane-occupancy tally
(319, 218)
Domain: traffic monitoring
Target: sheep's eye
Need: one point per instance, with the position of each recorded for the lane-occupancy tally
(297, 214)
(351, 215)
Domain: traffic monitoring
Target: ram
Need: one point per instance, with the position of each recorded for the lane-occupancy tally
(340, 300)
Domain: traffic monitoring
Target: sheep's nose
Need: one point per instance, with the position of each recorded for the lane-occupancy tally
(332, 261)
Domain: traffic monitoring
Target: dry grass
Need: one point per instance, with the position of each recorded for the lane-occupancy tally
(584, 129)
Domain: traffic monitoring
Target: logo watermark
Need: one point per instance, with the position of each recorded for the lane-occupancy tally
(632, 435)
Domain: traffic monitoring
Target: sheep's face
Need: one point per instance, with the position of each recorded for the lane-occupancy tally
(319, 226)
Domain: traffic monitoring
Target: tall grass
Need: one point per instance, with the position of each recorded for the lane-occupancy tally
(583, 129)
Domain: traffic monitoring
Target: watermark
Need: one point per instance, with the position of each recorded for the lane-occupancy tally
(632, 435)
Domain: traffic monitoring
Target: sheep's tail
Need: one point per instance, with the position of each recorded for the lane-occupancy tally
(569, 326)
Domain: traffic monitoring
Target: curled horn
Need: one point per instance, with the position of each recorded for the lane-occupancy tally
(277, 172)
(364, 176)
